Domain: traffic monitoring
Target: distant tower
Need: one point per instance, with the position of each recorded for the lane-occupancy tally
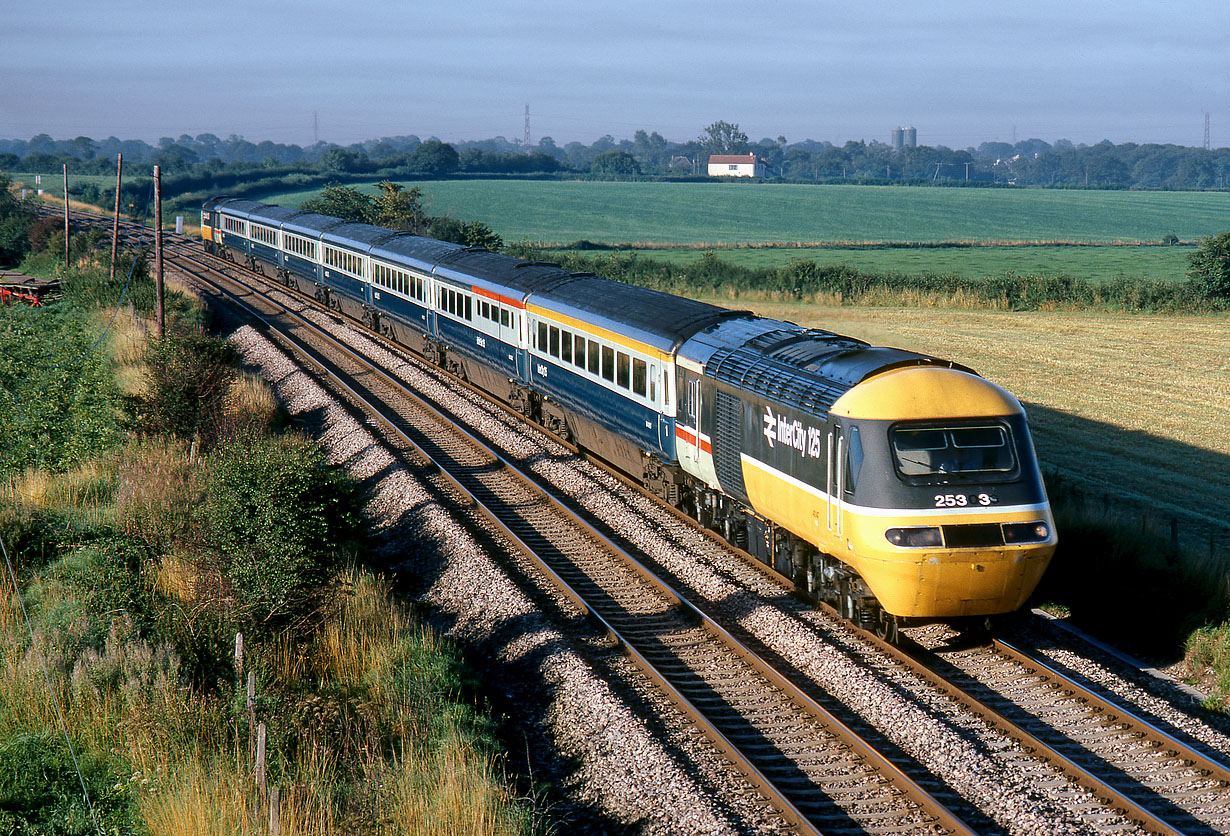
(911, 137)
(898, 138)
(1206, 130)
(527, 128)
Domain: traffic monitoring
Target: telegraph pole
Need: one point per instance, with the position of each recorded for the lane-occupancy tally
(160, 314)
(66, 218)
(115, 226)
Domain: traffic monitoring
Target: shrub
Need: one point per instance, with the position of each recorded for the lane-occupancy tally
(1210, 265)
(188, 374)
(278, 520)
(41, 793)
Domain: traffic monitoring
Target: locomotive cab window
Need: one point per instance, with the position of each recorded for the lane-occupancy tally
(854, 459)
(938, 453)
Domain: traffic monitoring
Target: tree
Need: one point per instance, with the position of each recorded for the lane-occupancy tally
(615, 164)
(724, 138)
(343, 202)
(466, 233)
(14, 222)
(434, 157)
(399, 208)
(338, 159)
(1210, 265)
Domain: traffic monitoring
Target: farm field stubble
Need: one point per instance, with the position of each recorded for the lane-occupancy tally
(1125, 405)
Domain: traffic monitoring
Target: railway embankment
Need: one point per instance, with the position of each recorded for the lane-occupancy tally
(190, 638)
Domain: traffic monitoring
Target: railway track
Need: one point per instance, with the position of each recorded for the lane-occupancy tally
(1175, 785)
(819, 774)
(1131, 780)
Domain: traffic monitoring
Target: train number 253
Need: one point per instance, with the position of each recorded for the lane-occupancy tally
(960, 500)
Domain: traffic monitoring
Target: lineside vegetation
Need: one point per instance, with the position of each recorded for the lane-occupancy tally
(154, 503)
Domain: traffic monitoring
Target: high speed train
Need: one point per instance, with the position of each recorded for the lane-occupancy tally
(896, 486)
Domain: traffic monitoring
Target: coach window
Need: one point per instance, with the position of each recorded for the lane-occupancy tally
(541, 345)
(578, 351)
(608, 363)
(653, 383)
(623, 375)
(638, 376)
(594, 357)
(565, 346)
(505, 318)
(554, 350)
(469, 308)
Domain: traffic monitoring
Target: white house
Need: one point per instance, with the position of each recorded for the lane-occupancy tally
(735, 165)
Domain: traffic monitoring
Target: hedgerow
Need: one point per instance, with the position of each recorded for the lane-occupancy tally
(804, 279)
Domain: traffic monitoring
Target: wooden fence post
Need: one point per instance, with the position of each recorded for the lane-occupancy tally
(275, 819)
(260, 761)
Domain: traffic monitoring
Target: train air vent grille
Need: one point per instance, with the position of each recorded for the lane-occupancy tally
(727, 442)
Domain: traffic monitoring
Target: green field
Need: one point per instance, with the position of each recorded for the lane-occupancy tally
(732, 213)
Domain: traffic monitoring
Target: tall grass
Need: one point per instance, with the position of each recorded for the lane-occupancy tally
(370, 728)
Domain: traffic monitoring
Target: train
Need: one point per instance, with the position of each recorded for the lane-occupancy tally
(898, 487)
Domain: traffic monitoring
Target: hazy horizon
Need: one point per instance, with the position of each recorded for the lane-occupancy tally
(961, 72)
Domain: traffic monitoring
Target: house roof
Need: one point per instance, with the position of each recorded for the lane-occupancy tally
(722, 159)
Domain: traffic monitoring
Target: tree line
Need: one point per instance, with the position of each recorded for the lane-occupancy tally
(1031, 162)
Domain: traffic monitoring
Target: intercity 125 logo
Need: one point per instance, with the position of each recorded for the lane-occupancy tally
(808, 441)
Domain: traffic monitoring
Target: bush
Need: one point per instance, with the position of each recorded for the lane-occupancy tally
(280, 521)
(1210, 265)
(187, 374)
(40, 792)
(57, 399)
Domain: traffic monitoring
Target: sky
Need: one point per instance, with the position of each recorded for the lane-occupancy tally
(962, 72)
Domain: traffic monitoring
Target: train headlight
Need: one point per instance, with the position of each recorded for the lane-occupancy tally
(1030, 532)
(915, 537)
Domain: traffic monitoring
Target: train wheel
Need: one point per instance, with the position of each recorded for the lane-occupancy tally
(886, 627)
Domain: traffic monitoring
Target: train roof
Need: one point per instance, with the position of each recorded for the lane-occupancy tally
(357, 236)
(655, 318)
(805, 368)
(511, 277)
(241, 206)
(274, 215)
(310, 224)
(414, 251)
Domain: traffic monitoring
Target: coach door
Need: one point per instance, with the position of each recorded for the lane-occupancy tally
(835, 487)
(689, 417)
